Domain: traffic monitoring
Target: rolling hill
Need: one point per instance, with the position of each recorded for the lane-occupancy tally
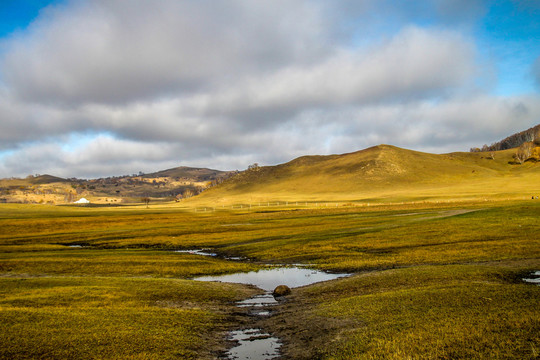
(166, 185)
(194, 174)
(383, 173)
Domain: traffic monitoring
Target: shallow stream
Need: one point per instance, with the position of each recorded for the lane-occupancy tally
(254, 343)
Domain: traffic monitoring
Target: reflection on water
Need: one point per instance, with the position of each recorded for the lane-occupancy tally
(202, 252)
(534, 279)
(254, 344)
(268, 280)
(207, 252)
(258, 301)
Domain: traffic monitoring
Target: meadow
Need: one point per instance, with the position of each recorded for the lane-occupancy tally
(430, 280)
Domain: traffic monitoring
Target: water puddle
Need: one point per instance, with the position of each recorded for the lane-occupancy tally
(208, 252)
(254, 343)
(258, 301)
(202, 252)
(269, 279)
(534, 278)
(75, 245)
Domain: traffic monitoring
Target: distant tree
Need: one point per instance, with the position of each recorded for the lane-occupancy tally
(518, 157)
(536, 139)
(253, 167)
(146, 201)
(513, 141)
(524, 152)
(69, 197)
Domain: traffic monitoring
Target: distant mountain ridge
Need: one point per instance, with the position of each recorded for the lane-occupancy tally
(175, 183)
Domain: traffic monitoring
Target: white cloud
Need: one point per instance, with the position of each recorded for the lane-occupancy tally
(101, 155)
(452, 125)
(224, 83)
(407, 66)
(110, 51)
(415, 63)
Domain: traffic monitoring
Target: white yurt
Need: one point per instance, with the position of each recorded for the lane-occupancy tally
(82, 201)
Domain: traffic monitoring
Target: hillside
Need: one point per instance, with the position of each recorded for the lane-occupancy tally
(382, 173)
(188, 173)
(512, 141)
(379, 173)
(167, 184)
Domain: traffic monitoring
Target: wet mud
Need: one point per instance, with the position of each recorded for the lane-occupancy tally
(251, 340)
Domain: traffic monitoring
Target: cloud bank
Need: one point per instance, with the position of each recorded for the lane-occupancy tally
(223, 84)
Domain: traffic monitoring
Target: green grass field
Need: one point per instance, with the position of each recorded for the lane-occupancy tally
(431, 280)
(89, 317)
(422, 312)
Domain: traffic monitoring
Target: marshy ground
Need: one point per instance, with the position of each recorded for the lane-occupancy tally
(431, 281)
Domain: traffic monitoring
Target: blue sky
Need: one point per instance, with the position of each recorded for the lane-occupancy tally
(108, 87)
(16, 15)
(510, 34)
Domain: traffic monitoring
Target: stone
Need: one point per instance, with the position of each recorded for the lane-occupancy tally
(281, 290)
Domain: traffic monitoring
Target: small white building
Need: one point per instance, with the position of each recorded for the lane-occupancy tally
(82, 201)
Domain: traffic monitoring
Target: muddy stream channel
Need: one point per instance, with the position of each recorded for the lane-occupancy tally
(254, 343)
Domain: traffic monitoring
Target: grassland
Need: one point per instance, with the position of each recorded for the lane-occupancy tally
(68, 317)
(424, 312)
(432, 280)
(59, 302)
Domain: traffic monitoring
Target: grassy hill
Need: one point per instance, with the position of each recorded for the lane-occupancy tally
(46, 179)
(382, 173)
(195, 174)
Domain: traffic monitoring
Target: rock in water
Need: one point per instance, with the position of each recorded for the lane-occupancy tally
(281, 290)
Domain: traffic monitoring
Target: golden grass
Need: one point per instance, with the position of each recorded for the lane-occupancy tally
(116, 263)
(111, 318)
(454, 291)
(381, 174)
(432, 312)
